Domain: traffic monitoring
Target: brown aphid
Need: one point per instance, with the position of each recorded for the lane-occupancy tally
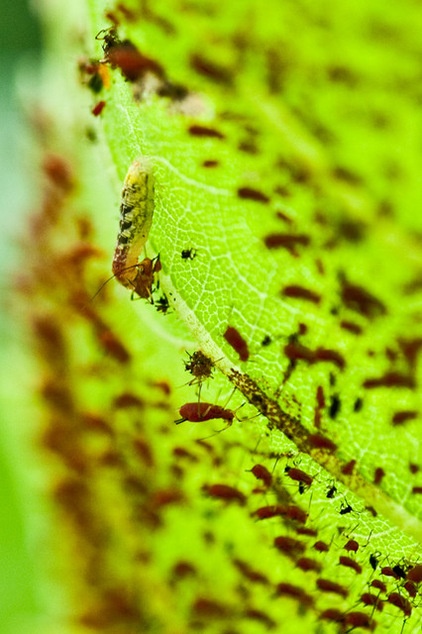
(299, 476)
(378, 475)
(359, 619)
(224, 492)
(259, 615)
(200, 412)
(294, 592)
(411, 588)
(237, 342)
(400, 602)
(332, 614)
(388, 571)
(348, 467)
(250, 573)
(368, 598)
(249, 193)
(415, 574)
(307, 564)
(351, 546)
(289, 545)
(209, 608)
(321, 547)
(98, 108)
(326, 585)
(348, 562)
(379, 585)
(261, 473)
(318, 441)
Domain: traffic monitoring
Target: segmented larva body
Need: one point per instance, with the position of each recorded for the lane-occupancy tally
(136, 211)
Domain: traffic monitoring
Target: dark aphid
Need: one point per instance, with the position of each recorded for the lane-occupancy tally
(373, 560)
(237, 342)
(331, 492)
(346, 509)
(188, 254)
(200, 412)
(200, 366)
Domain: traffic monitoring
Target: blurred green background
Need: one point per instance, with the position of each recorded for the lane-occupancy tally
(20, 599)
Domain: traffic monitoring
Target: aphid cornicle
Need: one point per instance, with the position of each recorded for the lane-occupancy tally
(136, 212)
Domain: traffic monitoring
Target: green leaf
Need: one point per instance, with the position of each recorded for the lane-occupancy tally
(283, 149)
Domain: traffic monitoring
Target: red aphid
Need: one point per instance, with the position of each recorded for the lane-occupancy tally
(294, 592)
(348, 562)
(237, 342)
(379, 585)
(415, 574)
(371, 599)
(299, 476)
(351, 546)
(359, 619)
(261, 473)
(224, 492)
(321, 547)
(289, 545)
(400, 602)
(200, 412)
(306, 564)
(326, 585)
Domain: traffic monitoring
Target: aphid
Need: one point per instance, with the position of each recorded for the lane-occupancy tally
(261, 473)
(348, 562)
(188, 254)
(306, 564)
(299, 476)
(346, 509)
(321, 547)
(200, 366)
(373, 560)
(415, 574)
(400, 571)
(331, 492)
(136, 212)
(379, 585)
(387, 571)
(400, 602)
(224, 492)
(351, 546)
(371, 599)
(359, 619)
(326, 585)
(294, 592)
(162, 304)
(237, 342)
(200, 412)
(289, 545)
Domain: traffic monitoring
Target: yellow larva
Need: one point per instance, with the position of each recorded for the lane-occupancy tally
(136, 211)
